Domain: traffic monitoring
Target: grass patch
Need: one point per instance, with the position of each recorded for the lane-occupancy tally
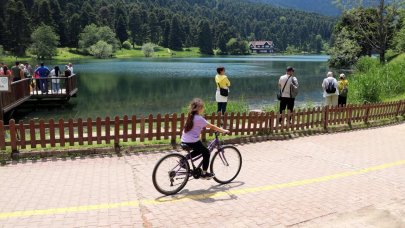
(232, 106)
(373, 82)
(159, 52)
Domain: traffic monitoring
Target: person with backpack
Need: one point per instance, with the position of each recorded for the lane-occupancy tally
(330, 90)
(288, 90)
(342, 86)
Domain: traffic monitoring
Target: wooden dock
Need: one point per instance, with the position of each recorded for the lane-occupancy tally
(24, 90)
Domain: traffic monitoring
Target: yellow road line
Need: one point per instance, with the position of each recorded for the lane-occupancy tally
(95, 207)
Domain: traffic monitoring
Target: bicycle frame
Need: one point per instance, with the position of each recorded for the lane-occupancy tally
(216, 143)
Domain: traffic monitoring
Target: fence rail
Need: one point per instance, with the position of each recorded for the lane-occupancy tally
(63, 133)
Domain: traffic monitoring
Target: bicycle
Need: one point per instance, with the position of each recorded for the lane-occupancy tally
(175, 167)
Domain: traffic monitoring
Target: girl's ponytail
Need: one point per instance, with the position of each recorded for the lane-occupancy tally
(195, 106)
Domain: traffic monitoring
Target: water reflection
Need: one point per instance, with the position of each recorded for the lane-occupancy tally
(143, 86)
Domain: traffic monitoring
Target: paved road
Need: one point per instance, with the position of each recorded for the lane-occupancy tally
(354, 179)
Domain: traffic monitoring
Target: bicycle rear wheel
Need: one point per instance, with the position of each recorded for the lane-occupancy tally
(226, 164)
(170, 175)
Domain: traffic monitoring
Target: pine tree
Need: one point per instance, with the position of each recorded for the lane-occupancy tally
(45, 14)
(2, 24)
(135, 26)
(74, 29)
(18, 28)
(105, 16)
(222, 40)
(205, 38)
(166, 34)
(175, 42)
(155, 30)
(87, 15)
(145, 33)
(60, 25)
(121, 29)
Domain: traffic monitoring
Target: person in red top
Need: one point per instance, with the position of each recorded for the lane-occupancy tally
(5, 71)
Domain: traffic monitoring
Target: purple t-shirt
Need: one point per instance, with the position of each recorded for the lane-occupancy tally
(194, 134)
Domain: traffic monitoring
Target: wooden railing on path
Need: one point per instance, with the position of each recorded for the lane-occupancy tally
(63, 133)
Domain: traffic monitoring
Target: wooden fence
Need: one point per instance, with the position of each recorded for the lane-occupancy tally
(169, 127)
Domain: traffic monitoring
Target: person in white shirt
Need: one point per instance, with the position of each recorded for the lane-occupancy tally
(284, 84)
(330, 90)
(70, 67)
(55, 73)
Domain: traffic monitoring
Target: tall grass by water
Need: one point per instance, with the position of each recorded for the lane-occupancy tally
(373, 82)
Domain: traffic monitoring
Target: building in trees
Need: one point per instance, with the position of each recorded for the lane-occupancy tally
(261, 46)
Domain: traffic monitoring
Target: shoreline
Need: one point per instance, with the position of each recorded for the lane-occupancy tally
(68, 54)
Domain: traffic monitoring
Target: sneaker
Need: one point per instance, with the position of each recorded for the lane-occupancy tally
(207, 176)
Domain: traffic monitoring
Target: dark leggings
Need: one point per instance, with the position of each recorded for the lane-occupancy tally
(222, 107)
(199, 148)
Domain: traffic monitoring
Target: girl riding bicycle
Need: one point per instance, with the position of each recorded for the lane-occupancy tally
(192, 131)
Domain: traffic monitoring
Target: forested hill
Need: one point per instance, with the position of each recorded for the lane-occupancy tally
(324, 7)
(158, 21)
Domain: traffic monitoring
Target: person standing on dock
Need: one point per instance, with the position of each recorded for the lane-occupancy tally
(55, 73)
(43, 72)
(17, 73)
(70, 67)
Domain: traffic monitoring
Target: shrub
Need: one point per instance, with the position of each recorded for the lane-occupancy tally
(92, 34)
(373, 82)
(1, 50)
(148, 49)
(101, 49)
(364, 64)
(45, 42)
(127, 45)
(237, 47)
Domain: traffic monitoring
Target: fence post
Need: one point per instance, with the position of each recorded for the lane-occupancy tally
(117, 146)
(398, 108)
(174, 129)
(366, 114)
(325, 117)
(13, 138)
(2, 136)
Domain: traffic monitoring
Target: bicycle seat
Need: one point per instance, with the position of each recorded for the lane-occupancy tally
(186, 147)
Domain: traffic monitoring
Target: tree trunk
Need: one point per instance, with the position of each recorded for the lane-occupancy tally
(382, 32)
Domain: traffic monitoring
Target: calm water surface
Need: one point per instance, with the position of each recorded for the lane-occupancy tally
(142, 86)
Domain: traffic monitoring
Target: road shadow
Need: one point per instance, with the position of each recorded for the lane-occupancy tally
(215, 193)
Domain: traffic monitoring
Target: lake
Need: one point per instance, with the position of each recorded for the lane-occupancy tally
(142, 86)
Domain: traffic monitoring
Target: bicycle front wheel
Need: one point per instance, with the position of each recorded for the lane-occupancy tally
(226, 164)
(171, 174)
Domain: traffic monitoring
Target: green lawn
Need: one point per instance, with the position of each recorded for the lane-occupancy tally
(159, 52)
(65, 54)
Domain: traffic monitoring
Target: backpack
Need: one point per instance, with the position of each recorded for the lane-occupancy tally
(331, 88)
(344, 92)
(293, 89)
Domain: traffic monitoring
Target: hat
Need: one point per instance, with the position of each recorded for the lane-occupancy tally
(342, 76)
(290, 68)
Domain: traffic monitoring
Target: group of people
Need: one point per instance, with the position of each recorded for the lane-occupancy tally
(334, 91)
(39, 75)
